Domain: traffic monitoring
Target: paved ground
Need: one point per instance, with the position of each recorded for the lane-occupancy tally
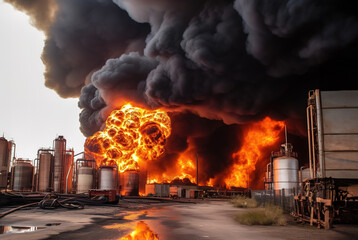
(179, 221)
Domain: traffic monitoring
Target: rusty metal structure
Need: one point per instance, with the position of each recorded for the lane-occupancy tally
(7, 152)
(331, 191)
(63, 166)
(129, 182)
(22, 173)
(44, 171)
(54, 168)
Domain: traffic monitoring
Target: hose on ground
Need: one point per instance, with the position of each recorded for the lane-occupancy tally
(49, 202)
(55, 203)
(17, 208)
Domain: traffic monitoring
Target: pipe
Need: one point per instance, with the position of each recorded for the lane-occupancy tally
(68, 174)
(272, 176)
(69, 170)
(14, 144)
(64, 154)
(309, 141)
(35, 183)
(268, 171)
(248, 178)
(286, 147)
(313, 144)
(320, 133)
(17, 208)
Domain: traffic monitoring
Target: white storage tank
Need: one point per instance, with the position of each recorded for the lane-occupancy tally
(86, 175)
(108, 177)
(285, 169)
(85, 179)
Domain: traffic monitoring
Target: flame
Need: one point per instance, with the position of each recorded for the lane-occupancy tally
(210, 182)
(141, 232)
(131, 135)
(259, 136)
(183, 170)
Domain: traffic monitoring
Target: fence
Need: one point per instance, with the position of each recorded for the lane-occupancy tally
(283, 198)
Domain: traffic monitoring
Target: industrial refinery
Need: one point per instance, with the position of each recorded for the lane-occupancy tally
(115, 164)
(178, 120)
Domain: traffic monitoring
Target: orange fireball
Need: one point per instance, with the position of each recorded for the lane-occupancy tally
(131, 135)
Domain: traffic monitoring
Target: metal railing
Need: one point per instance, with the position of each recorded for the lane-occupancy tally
(283, 198)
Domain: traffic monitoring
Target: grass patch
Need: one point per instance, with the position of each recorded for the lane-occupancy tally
(270, 215)
(243, 202)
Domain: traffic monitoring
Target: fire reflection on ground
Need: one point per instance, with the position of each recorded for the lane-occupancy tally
(140, 232)
(133, 221)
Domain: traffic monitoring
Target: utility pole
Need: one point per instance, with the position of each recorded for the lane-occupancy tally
(197, 169)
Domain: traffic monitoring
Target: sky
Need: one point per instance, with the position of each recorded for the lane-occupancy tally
(31, 114)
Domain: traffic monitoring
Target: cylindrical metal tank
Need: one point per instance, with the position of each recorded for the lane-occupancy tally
(285, 172)
(85, 179)
(60, 156)
(22, 175)
(130, 183)
(5, 158)
(45, 172)
(107, 178)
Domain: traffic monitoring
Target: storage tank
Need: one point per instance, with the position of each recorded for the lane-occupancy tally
(86, 175)
(285, 172)
(22, 175)
(108, 176)
(130, 183)
(285, 169)
(5, 159)
(85, 179)
(45, 171)
(59, 158)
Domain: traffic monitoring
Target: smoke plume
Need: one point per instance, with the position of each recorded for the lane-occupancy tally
(223, 63)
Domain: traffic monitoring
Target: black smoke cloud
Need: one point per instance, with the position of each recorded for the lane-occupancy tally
(85, 34)
(41, 12)
(230, 61)
(236, 61)
(289, 37)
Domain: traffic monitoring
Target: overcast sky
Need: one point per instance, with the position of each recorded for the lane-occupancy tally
(31, 114)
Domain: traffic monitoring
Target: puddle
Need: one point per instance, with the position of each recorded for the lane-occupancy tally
(52, 224)
(18, 229)
(141, 231)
